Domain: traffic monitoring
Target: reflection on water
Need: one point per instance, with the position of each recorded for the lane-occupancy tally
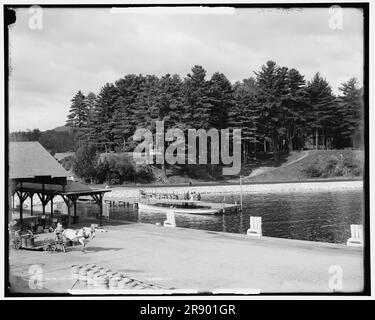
(313, 216)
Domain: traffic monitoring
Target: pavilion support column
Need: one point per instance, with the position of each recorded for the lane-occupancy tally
(68, 204)
(51, 222)
(74, 200)
(69, 224)
(99, 201)
(21, 206)
(31, 204)
(22, 197)
(101, 211)
(43, 201)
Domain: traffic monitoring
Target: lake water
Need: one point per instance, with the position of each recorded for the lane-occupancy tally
(312, 216)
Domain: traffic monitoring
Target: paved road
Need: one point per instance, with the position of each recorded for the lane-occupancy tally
(196, 259)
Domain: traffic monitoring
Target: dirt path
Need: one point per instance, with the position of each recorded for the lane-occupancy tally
(262, 170)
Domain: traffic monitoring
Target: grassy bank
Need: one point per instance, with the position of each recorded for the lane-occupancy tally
(313, 164)
(309, 165)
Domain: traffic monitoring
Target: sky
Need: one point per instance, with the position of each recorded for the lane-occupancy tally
(82, 49)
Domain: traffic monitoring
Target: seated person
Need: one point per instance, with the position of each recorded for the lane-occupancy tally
(58, 231)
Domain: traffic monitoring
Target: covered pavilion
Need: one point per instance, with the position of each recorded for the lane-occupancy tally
(34, 171)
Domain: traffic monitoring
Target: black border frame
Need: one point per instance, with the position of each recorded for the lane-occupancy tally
(7, 16)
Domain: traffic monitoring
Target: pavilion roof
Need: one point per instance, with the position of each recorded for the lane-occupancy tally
(29, 160)
(71, 188)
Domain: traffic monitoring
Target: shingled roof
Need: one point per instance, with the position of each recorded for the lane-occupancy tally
(29, 159)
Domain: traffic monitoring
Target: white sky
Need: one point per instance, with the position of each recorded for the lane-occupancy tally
(82, 49)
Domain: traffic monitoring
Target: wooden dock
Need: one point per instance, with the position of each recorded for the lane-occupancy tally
(132, 202)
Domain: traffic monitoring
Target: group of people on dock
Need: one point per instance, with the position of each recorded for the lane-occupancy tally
(189, 195)
(192, 195)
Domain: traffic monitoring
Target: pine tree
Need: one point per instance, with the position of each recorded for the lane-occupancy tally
(77, 112)
(273, 86)
(78, 115)
(146, 102)
(221, 100)
(243, 114)
(197, 102)
(350, 104)
(88, 131)
(127, 116)
(323, 110)
(168, 105)
(103, 116)
(294, 110)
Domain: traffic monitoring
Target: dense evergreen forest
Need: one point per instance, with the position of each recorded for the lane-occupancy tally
(277, 110)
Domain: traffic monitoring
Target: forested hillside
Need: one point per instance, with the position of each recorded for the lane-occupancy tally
(60, 139)
(276, 108)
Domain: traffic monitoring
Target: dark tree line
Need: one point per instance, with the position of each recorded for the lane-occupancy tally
(277, 109)
(53, 141)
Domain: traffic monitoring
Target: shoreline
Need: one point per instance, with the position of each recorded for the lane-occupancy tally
(124, 192)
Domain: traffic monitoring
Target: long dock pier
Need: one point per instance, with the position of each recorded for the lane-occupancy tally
(132, 202)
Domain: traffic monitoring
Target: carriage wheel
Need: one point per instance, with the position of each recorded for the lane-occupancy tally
(17, 244)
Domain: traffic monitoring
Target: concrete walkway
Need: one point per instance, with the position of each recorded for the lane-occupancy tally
(196, 259)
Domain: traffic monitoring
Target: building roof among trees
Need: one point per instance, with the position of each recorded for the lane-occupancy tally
(29, 159)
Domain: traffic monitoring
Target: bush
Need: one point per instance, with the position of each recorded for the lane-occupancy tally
(313, 172)
(84, 162)
(114, 170)
(68, 162)
(357, 172)
(144, 173)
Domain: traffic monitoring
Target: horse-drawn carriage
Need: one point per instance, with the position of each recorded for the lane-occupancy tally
(24, 239)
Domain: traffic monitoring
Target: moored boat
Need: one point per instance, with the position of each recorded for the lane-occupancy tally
(179, 206)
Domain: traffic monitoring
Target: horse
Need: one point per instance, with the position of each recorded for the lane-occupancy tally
(83, 235)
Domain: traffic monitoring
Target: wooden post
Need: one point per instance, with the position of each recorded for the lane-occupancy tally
(21, 205)
(68, 205)
(100, 210)
(43, 203)
(51, 209)
(31, 203)
(75, 210)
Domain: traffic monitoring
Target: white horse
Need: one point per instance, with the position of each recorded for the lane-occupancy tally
(83, 235)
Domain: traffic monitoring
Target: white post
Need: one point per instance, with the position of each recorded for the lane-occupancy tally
(171, 220)
(106, 210)
(61, 206)
(255, 227)
(241, 190)
(356, 238)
